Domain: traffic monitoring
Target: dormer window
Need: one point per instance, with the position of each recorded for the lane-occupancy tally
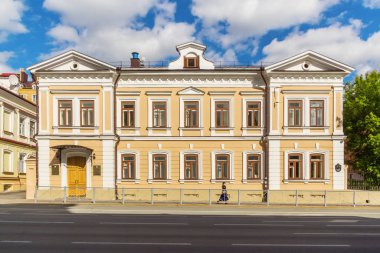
(191, 61)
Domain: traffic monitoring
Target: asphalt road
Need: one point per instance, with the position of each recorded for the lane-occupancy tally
(53, 228)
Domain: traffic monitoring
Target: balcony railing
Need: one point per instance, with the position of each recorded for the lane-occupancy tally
(165, 64)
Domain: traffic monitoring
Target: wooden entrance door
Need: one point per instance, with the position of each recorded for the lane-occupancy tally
(76, 176)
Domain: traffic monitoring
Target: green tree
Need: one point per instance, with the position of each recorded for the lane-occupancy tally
(362, 124)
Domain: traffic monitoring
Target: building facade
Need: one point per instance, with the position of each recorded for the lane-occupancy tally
(191, 124)
(18, 125)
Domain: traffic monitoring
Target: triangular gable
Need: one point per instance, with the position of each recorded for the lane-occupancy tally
(191, 91)
(71, 61)
(309, 61)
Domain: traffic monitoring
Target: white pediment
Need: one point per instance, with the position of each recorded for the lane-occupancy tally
(191, 91)
(309, 62)
(191, 49)
(71, 61)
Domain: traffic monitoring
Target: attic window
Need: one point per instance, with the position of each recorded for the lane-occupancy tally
(191, 62)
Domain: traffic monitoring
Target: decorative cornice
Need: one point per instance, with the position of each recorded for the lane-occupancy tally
(221, 93)
(306, 91)
(158, 93)
(74, 91)
(128, 93)
(250, 93)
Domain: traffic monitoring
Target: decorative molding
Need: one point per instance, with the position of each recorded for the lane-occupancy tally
(128, 93)
(251, 93)
(306, 91)
(158, 93)
(221, 93)
(74, 91)
(191, 91)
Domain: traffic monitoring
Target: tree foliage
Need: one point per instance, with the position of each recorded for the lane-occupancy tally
(362, 124)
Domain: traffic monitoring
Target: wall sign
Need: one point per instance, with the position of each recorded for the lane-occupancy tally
(338, 167)
(96, 170)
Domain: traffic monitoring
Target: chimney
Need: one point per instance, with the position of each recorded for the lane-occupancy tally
(23, 76)
(135, 60)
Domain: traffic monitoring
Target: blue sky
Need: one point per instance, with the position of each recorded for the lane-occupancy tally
(246, 31)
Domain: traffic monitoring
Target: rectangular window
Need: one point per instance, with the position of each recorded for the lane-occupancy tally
(7, 160)
(87, 112)
(253, 114)
(295, 166)
(34, 98)
(191, 114)
(7, 126)
(222, 167)
(295, 113)
(65, 112)
(159, 114)
(128, 166)
(21, 163)
(191, 167)
(128, 114)
(253, 167)
(22, 126)
(316, 113)
(222, 114)
(191, 62)
(159, 167)
(32, 129)
(317, 169)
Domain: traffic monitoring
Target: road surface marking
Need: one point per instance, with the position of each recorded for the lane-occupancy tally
(259, 224)
(37, 222)
(143, 223)
(353, 225)
(136, 243)
(344, 221)
(295, 221)
(291, 245)
(15, 241)
(363, 234)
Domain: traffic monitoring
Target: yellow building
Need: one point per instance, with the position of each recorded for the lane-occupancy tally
(17, 128)
(191, 124)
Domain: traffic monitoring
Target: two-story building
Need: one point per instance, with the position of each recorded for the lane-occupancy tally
(18, 125)
(191, 124)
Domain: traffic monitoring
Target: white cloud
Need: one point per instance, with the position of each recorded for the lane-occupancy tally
(111, 30)
(229, 22)
(4, 57)
(372, 4)
(340, 42)
(10, 18)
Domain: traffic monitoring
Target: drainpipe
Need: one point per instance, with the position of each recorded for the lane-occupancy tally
(35, 80)
(118, 71)
(266, 132)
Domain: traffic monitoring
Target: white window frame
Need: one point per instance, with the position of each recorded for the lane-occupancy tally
(214, 129)
(137, 166)
(246, 130)
(213, 163)
(306, 114)
(76, 111)
(182, 166)
(182, 101)
(306, 166)
(35, 128)
(11, 120)
(137, 127)
(10, 160)
(150, 166)
(262, 162)
(151, 129)
(22, 163)
(25, 124)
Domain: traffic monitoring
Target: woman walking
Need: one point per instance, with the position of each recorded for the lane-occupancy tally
(223, 197)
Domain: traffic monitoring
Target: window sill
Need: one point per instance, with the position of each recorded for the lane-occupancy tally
(136, 181)
(252, 128)
(168, 181)
(128, 128)
(190, 128)
(231, 181)
(75, 127)
(221, 128)
(245, 181)
(23, 137)
(199, 181)
(7, 132)
(9, 173)
(306, 181)
(306, 127)
(158, 128)
(22, 173)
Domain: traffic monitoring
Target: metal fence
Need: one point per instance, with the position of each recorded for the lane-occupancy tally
(362, 185)
(207, 196)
